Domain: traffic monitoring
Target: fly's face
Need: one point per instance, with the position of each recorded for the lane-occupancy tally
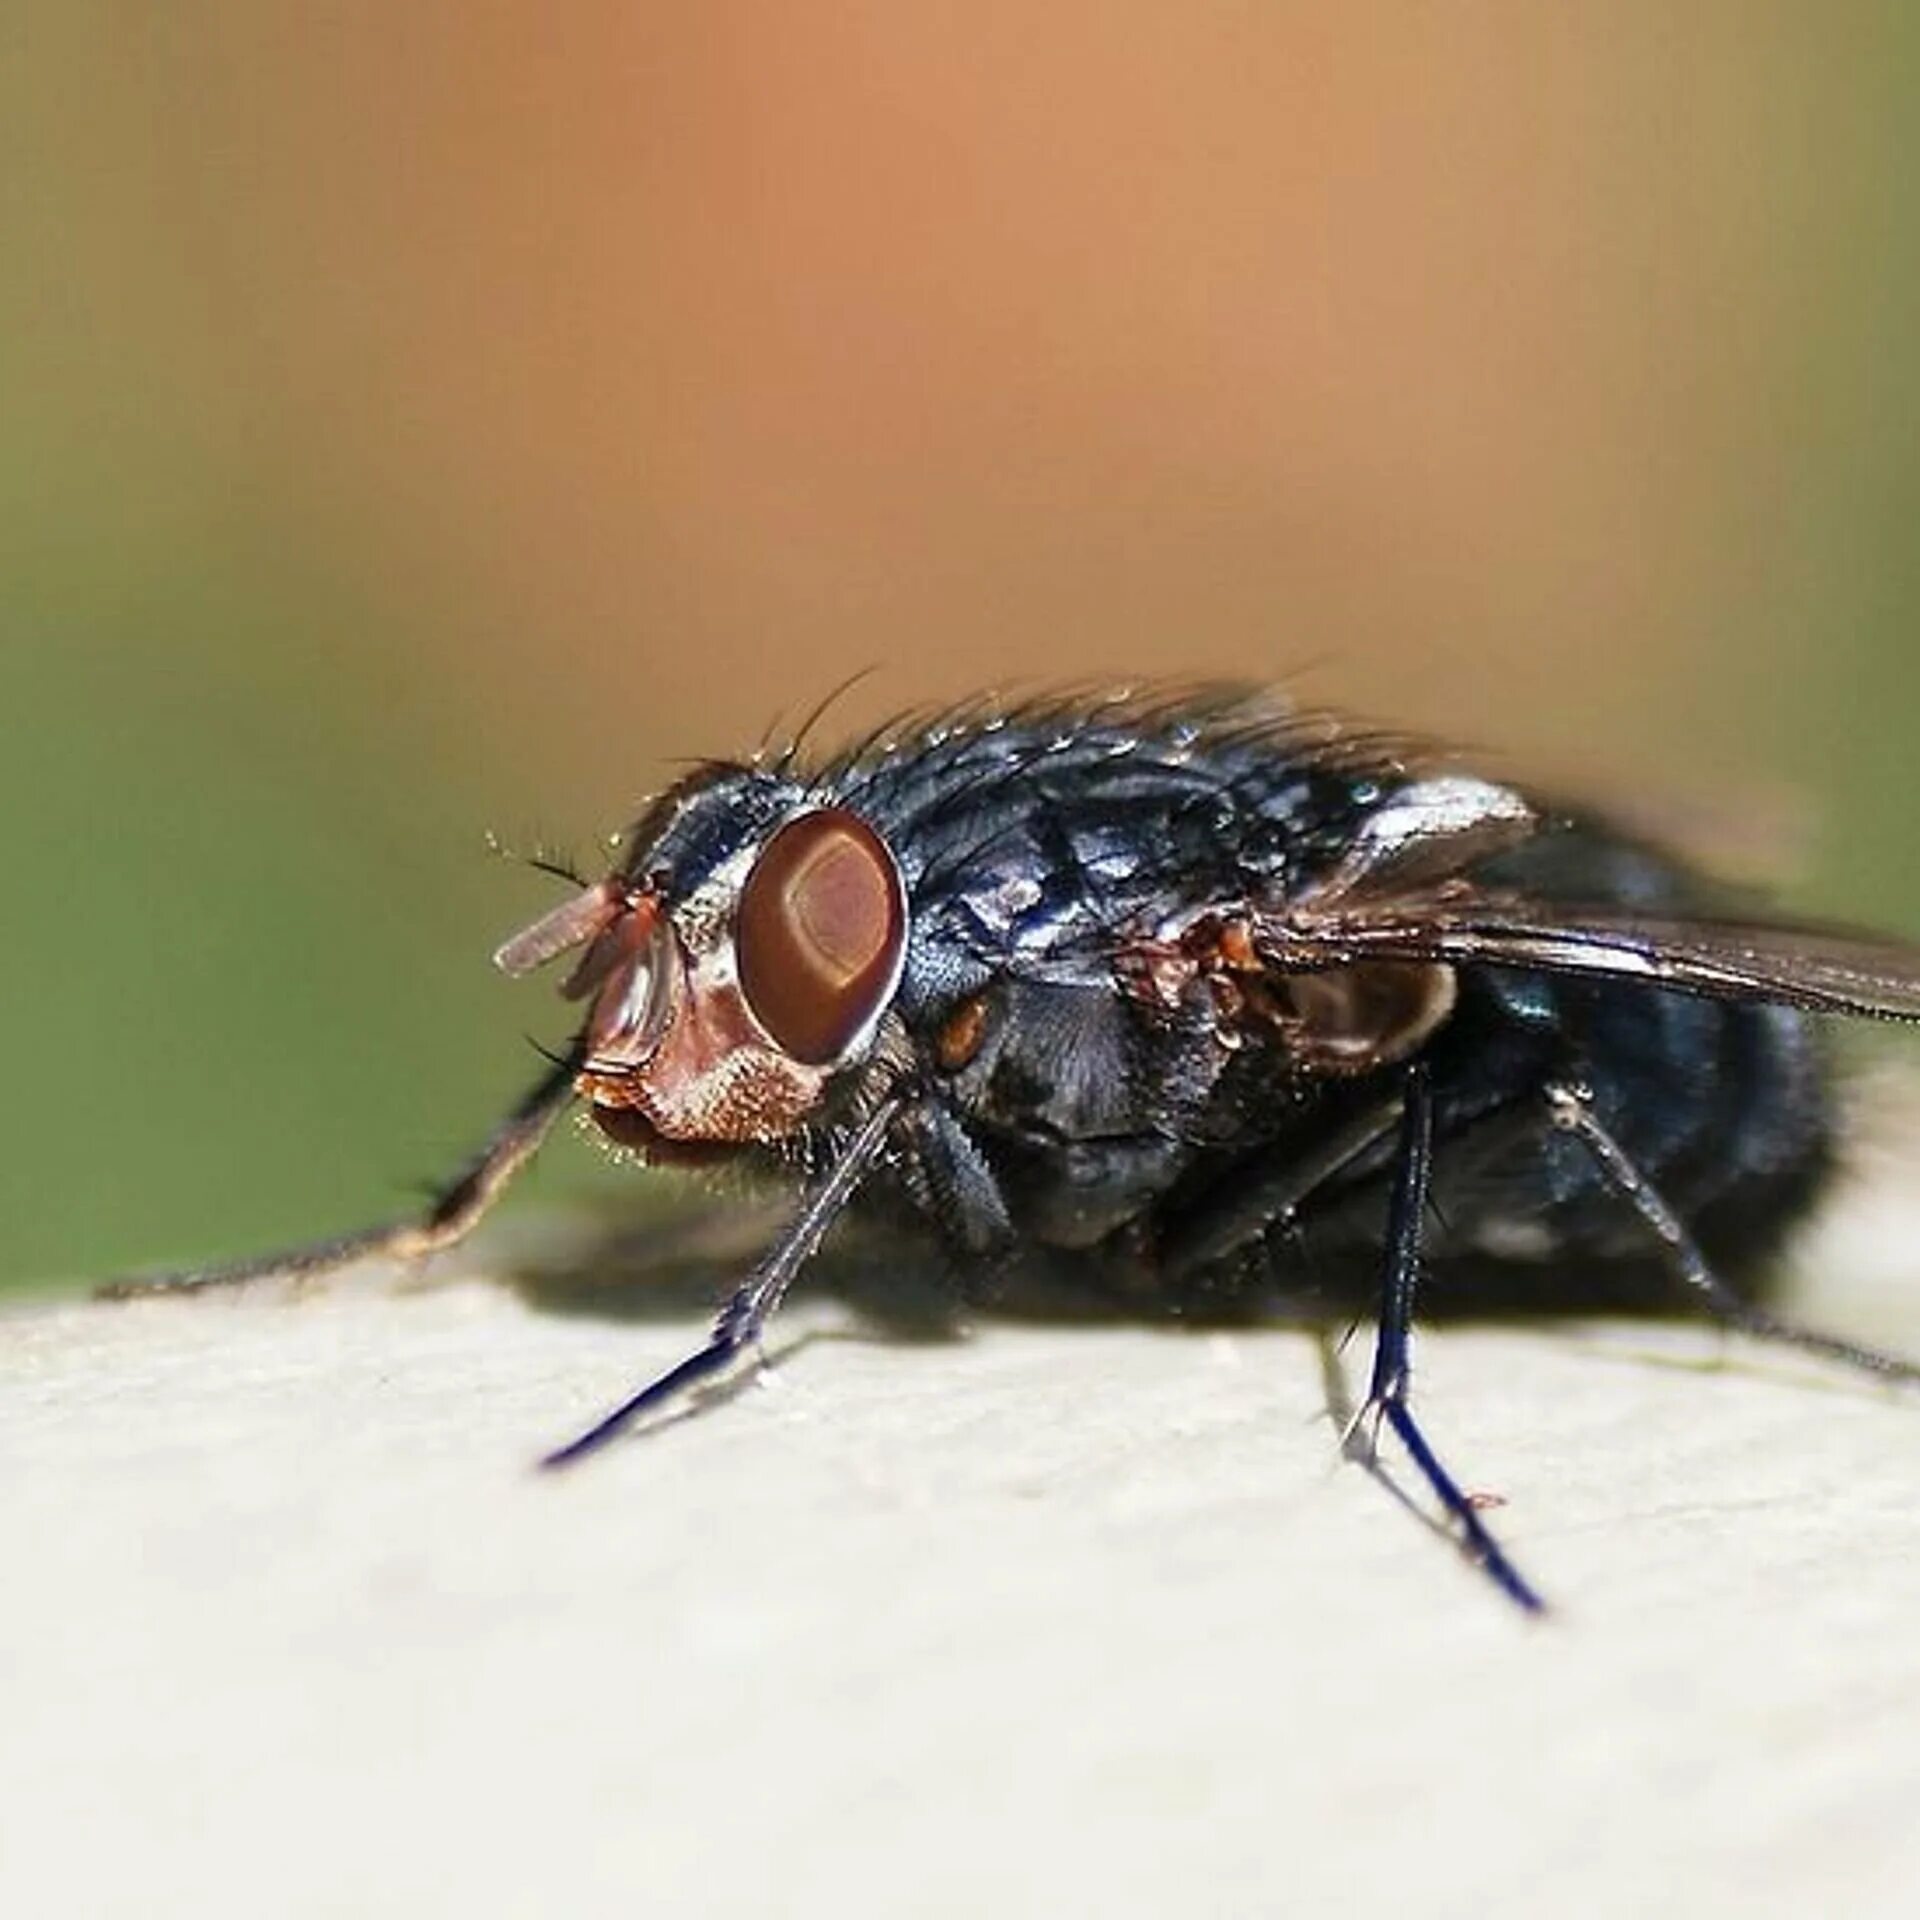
(730, 972)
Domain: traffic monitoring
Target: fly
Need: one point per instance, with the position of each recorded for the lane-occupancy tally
(1210, 1001)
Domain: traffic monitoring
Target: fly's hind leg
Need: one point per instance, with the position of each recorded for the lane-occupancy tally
(450, 1216)
(1571, 1109)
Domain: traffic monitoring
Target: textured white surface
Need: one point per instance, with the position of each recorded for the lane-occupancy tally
(1047, 1621)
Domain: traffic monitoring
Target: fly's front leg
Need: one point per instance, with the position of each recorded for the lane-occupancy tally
(749, 1307)
(450, 1216)
(1387, 1395)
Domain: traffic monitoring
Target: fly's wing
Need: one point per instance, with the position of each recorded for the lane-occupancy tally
(1822, 969)
(1403, 893)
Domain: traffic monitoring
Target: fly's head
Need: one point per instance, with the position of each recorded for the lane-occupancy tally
(739, 960)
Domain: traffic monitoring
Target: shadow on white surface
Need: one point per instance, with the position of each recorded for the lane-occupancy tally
(1048, 1619)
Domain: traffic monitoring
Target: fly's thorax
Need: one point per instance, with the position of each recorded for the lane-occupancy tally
(1326, 1020)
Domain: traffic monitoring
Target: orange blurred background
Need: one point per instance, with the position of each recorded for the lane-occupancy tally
(432, 418)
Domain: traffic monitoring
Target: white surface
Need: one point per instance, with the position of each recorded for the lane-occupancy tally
(1049, 1621)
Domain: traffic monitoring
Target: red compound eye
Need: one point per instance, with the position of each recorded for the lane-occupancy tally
(819, 934)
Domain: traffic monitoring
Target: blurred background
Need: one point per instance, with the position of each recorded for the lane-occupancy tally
(418, 421)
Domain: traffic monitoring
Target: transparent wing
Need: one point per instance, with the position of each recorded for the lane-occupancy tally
(1824, 969)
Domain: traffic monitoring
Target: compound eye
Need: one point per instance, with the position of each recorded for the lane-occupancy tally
(820, 933)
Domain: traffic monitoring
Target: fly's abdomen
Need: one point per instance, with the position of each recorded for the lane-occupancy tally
(1726, 1107)
(1734, 1124)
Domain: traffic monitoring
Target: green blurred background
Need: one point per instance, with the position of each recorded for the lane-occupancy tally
(419, 420)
